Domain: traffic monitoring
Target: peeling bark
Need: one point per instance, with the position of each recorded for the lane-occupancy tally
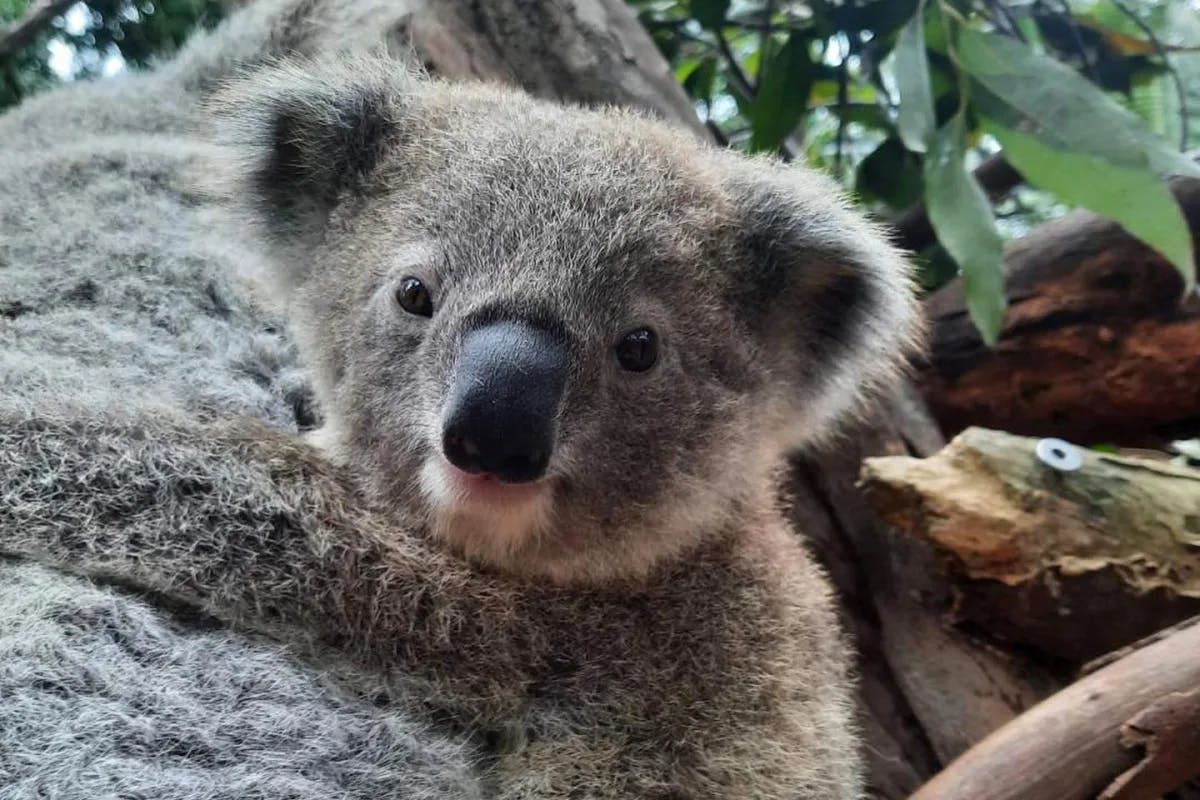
(1168, 731)
(1073, 563)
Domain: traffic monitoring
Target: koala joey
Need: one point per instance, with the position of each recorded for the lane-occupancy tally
(559, 353)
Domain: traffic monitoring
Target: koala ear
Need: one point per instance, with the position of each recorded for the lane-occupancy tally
(830, 298)
(298, 137)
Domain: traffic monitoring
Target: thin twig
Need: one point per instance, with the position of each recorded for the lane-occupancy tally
(747, 87)
(1156, 43)
(843, 97)
(1079, 45)
(718, 135)
(22, 32)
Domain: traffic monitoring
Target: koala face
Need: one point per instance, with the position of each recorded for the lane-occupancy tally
(576, 341)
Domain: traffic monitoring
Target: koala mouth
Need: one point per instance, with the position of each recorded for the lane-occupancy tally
(481, 516)
(487, 488)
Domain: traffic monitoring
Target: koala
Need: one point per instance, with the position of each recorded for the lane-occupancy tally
(559, 354)
(577, 341)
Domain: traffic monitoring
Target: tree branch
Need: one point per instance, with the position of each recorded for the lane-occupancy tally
(1071, 746)
(25, 30)
(1086, 300)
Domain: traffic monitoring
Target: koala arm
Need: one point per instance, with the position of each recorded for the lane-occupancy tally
(252, 526)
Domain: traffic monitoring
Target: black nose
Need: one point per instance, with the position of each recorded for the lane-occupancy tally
(501, 413)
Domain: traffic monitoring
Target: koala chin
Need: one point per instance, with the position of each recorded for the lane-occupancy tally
(577, 342)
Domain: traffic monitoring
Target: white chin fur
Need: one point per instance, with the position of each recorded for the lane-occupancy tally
(490, 532)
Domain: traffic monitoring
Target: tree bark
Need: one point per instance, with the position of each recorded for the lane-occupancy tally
(929, 690)
(1083, 741)
(1074, 563)
(591, 52)
(1096, 346)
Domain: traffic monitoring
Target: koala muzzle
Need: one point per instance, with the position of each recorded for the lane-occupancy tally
(501, 414)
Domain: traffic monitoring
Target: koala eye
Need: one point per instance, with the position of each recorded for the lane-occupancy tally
(414, 298)
(638, 350)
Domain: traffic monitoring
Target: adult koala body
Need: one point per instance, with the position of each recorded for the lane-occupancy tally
(110, 299)
(559, 353)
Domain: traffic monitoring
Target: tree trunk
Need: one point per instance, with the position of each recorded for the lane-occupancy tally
(591, 52)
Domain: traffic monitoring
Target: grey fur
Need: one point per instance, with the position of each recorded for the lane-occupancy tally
(104, 698)
(109, 297)
(653, 630)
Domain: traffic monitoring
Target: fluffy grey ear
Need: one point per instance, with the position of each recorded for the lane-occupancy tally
(298, 137)
(831, 298)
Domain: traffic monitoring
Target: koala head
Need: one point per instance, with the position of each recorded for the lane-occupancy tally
(575, 341)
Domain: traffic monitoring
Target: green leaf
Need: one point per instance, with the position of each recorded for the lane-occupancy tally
(962, 218)
(867, 115)
(12, 10)
(709, 13)
(915, 119)
(1054, 103)
(890, 173)
(1134, 197)
(881, 17)
(699, 81)
(782, 94)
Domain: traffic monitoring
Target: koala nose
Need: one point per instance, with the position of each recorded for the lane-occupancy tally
(501, 412)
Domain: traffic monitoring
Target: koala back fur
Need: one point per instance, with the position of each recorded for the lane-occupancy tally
(110, 297)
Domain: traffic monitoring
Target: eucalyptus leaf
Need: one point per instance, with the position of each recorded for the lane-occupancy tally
(1135, 198)
(915, 118)
(962, 218)
(782, 94)
(709, 13)
(1126, 190)
(699, 81)
(1056, 104)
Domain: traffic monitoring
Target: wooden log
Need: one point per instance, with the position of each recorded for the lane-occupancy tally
(1076, 744)
(1075, 563)
(1096, 345)
(1168, 730)
(949, 689)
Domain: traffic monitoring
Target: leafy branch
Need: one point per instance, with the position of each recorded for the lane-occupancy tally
(900, 95)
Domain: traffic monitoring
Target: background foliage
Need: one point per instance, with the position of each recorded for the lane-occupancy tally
(1090, 100)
